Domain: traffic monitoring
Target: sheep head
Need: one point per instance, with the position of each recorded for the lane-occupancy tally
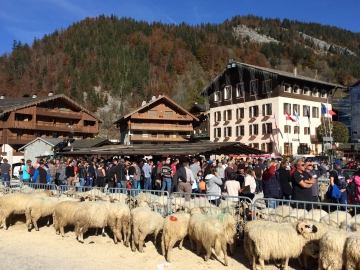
(311, 249)
(306, 227)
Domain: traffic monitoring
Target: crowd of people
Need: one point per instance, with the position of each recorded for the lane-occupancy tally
(295, 180)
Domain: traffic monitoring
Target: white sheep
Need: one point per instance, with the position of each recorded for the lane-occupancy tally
(315, 215)
(337, 218)
(41, 207)
(16, 204)
(119, 222)
(352, 224)
(196, 224)
(272, 242)
(90, 215)
(144, 222)
(352, 253)
(175, 229)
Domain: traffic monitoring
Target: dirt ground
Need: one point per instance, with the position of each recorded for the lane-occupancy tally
(43, 249)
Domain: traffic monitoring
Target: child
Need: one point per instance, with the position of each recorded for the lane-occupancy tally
(88, 180)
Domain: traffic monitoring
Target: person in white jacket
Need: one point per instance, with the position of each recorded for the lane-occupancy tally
(213, 183)
(249, 185)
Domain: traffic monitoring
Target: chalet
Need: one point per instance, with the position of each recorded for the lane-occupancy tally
(201, 127)
(248, 104)
(160, 121)
(53, 116)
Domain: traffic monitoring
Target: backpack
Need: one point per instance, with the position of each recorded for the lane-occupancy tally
(202, 185)
(352, 188)
(31, 171)
(341, 182)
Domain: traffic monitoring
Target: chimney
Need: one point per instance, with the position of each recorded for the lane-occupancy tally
(143, 103)
(34, 95)
(153, 98)
(50, 94)
(295, 71)
(2, 96)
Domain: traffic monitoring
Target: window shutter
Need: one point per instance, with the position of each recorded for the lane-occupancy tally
(250, 130)
(263, 110)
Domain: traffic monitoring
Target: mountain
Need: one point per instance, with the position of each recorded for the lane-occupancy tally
(111, 65)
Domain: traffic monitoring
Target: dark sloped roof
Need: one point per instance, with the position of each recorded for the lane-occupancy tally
(152, 102)
(12, 104)
(271, 72)
(199, 107)
(78, 144)
(171, 149)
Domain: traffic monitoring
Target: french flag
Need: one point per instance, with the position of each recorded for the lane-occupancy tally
(324, 110)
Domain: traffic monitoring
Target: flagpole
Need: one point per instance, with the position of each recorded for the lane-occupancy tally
(330, 132)
(323, 118)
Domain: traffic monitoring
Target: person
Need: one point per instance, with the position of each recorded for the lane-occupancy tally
(147, 175)
(355, 177)
(240, 174)
(136, 179)
(302, 183)
(100, 175)
(309, 168)
(120, 175)
(258, 176)
(21, 169)
(213, 183)
(229, 169)
(82, 176)
(70, 173)
(40, 174)
(249, 185)
(26, 169)
(232, 187)
(221, 172)
(285, 181)
(339, 178)
(90, 168)
(62, 176)
(132, 173)
(5, 170)
(271, 184)
(110, 176)
(195, 168)
(58, 170)
(167, 174)
(185, 179)
(52, 172)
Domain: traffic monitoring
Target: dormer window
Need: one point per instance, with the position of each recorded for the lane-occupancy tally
(217, 96)
(254, 87)
(323, 94)
(315, 92)
(306, 91)
(239, 90)
(287, 88)
(227, 92)
(267, 86)
(296, 89)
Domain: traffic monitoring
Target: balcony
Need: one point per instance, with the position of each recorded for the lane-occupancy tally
(161, 117)
(56, 113)
(56, 127)
(170, 127)
(159, 137)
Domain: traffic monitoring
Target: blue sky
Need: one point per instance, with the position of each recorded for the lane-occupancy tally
(22, 20)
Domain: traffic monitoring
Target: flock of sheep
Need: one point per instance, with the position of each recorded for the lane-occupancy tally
(332, 238)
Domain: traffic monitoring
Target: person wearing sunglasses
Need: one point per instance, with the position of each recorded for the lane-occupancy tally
(302, 183)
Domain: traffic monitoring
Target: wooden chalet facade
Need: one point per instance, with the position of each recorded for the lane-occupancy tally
(160, 121)
(201, 127)
(53, 116)
(245, 100)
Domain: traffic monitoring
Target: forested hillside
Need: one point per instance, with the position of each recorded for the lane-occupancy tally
(129, 61)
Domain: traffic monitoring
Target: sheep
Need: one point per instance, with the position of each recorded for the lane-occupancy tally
(352, 224)
(16, 204)
(352, 252)
(119, 221)
(196, 224)
(272, 242)
(322, 228)
(310, 249)
(336, 218)
(332, 245)
(315, 215)
(144, 222)
(41, 207)
(175, 229)
(90, 215)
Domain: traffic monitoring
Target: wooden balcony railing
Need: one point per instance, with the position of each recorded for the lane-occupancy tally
(56, 127)
(160, 117)
(141, 126)
(166, 138)
(56, 113)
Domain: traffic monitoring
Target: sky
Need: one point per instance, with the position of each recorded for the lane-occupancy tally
(23, 20)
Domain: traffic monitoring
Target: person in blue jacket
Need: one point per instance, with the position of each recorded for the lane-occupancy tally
(40, 175)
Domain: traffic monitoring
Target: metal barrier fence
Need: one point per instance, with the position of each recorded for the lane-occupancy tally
(19, 187)
(332, 214)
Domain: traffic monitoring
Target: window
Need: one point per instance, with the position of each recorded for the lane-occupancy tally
(227, 115)
(296, 89)
(240, 131)
(19, 117)
(304, 110)
(168, 114)
(19, 133)
(240, 113)
(54, 135)
(153, 113)
(266, 128)
(255, 145)
(315, 92)
(217, 96)
(296, 108)
(239, 90)
(287, 88)
(306, 130)
(217, 132)
(296, 130)
(227, 92)
(37, 134)
(267, 109)
(217, 116)
(323, 94)
(287, 129)
(306, 91)
(266, 86)
(254, 129)
(315, 112)
(253, 87)
(227, 131)
(287, 149)
(253, 111)
(287, 108)
(263, 147)
(167, 134)
(86, 123)
(145, 134)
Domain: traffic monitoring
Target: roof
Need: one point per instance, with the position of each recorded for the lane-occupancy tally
(12, 104)
(199, 107)
(78, 144)
(171, 149)
(152, 102)
(51, 141)
(271, 72)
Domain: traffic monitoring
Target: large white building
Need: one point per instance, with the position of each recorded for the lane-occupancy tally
(245, 100)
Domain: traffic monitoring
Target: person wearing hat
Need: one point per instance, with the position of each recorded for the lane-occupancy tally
(339, 178)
